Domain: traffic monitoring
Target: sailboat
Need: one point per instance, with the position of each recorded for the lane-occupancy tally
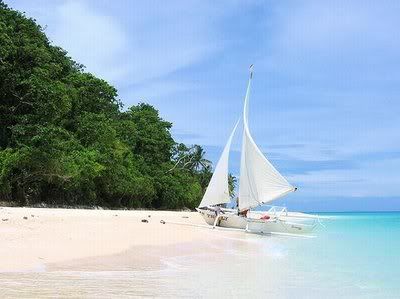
(259, 184)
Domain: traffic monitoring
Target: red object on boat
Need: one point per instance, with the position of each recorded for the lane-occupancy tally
(265, 217)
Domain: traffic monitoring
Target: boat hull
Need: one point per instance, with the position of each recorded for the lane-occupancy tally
(283, 224)
(229, 219)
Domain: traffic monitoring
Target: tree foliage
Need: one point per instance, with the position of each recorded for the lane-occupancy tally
(64, 138)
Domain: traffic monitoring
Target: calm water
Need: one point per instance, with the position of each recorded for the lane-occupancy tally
(355, 256)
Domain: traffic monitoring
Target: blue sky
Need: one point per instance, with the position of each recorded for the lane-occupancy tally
(325, 102)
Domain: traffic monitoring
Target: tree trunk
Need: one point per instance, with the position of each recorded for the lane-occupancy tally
(21, 196)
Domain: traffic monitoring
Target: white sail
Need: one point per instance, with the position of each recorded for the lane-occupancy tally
(218, 189)
(259, 181)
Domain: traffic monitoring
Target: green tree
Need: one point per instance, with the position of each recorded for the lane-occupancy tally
(64, 138)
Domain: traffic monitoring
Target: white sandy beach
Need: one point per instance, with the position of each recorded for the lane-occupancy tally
(75, 239)
(112, 254)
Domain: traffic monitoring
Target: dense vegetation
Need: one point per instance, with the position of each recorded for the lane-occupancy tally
(64, 138)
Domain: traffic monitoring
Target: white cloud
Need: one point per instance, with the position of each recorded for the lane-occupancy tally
(377, 178)
(165, 37)
(131, 42)
(91, 38)
(321, 39)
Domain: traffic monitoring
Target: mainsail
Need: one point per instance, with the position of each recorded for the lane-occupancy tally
(259, 181)
(218, 189)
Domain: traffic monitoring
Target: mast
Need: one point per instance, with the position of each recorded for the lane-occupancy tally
(259, 181)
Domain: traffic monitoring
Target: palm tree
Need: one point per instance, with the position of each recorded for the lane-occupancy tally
(197, 161)
(191, 159)
(232, 183)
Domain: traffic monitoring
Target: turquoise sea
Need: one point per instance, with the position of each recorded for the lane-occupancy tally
(356, 255)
